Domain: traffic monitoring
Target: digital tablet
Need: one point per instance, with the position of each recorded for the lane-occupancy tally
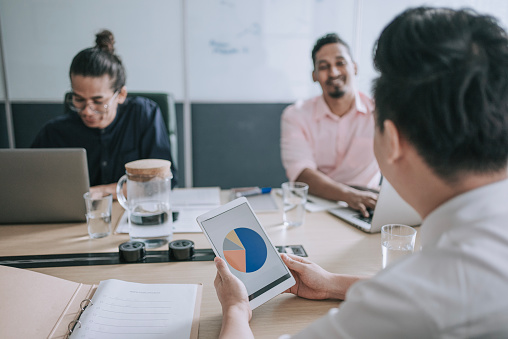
(237, 237)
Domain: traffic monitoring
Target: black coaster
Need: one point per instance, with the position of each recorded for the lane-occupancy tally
(181, 249)
(132, 251)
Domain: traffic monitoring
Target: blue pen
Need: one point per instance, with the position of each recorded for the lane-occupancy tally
(254, 191)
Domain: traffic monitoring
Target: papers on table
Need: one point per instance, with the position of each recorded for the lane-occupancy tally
(317, 204)
(193, 198)
(189, 203)
(263, 203)
(260, 203)
(121, 309)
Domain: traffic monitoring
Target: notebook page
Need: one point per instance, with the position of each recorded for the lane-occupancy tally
(206, 197)
(186, 222)
(123, 309)
(189, 203)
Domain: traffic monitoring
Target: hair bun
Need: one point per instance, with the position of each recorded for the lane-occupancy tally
(105, 41)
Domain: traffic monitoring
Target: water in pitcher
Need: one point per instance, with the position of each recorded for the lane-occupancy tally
(151, 222)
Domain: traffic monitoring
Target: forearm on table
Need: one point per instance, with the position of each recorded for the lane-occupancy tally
(109, 188)
(340, 284)
(323, 186)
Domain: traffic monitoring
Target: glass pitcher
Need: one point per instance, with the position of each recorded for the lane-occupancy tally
(148, 189)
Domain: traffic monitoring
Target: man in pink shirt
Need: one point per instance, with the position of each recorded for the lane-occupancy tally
(327, 141)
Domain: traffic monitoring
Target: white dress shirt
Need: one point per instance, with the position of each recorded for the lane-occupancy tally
(455, 287)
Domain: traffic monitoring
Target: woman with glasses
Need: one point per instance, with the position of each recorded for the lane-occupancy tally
(112, 128)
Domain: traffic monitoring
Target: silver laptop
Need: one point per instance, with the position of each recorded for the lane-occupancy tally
(390, 209)
(43, 185)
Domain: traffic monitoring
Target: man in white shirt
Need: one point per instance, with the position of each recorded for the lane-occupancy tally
(442, 141)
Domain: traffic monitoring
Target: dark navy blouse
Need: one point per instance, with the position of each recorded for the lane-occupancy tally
(138, 132)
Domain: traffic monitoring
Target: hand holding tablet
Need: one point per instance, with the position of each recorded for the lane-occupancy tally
(237, 237)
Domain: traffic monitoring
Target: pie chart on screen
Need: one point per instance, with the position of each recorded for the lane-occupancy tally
(244, 250)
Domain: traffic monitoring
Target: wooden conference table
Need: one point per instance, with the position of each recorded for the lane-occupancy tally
(333, 244)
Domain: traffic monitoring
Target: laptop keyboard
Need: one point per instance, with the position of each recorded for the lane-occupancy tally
(365, 219)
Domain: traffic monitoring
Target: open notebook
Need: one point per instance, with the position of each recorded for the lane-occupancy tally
(105, 311)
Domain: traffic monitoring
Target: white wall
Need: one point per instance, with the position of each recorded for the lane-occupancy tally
(375, 15)
(2, 89)
(42, 36)
(235, 50)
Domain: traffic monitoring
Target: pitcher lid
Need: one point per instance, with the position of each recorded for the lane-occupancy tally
(149, 167)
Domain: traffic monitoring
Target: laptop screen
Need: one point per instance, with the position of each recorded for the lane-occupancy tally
(43, 185)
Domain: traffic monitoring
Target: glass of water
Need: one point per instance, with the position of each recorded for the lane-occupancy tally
(396, 241)
(294, 197)
(98, 214)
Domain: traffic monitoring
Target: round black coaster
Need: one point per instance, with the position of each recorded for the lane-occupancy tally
(132, 251)
(181, 249)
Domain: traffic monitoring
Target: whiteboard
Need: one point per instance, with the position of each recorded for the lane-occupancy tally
(259, 50)
(42, 36)
(235, 50)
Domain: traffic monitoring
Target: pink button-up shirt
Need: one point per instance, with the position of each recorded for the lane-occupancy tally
(340, 147)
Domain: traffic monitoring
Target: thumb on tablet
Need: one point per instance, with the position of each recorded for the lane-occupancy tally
(219, 263)
(222, 268)
(292, 264)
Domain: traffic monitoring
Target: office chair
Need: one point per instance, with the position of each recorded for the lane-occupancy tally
(166, 103)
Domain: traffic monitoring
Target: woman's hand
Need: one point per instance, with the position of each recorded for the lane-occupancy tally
(105, 189)
(362, 201)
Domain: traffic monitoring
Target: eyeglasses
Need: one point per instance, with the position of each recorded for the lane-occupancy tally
(78, 104)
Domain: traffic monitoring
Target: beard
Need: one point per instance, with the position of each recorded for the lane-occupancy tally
(336, 93)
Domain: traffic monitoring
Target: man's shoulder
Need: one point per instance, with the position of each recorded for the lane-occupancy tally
(366, 101)
(301, 106)
(450, 263)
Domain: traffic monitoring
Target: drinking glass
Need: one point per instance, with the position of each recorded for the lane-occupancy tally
(98, 214)
(396, 241)
(294, 197)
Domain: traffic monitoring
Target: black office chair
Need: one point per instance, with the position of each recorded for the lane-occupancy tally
(166, 103)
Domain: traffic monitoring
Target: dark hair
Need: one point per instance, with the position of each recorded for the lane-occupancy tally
(444, 83)
(99, 60)
(330, 38)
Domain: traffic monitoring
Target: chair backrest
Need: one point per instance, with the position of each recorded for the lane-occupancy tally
(166, 103)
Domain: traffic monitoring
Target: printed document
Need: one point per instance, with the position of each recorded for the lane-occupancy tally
(122, 309)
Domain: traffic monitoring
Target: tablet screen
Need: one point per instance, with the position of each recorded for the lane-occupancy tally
(241, 241)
